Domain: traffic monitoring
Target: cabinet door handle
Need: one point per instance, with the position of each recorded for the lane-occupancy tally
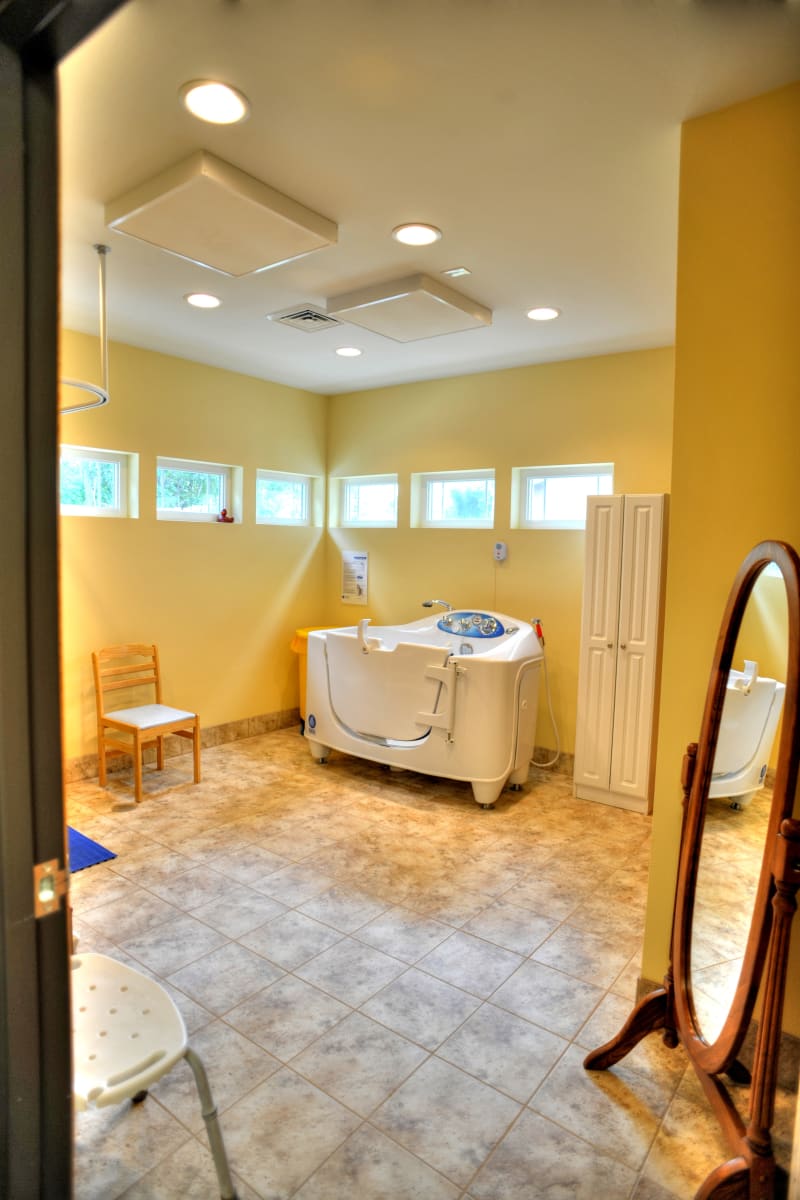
(623, 646)
(610, 645)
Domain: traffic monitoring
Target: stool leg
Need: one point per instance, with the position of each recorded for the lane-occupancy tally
(226, 1189)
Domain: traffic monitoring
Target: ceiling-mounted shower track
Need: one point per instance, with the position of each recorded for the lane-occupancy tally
(100, 394)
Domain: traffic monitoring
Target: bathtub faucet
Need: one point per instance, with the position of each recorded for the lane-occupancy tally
(430, 604)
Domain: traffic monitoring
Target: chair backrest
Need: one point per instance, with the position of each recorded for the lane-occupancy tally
(125, 667)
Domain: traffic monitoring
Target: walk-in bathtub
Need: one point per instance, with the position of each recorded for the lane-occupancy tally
(750, 717)
(454, 696)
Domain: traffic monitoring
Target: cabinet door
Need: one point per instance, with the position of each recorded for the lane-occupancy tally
(598, 641)
(639, 608)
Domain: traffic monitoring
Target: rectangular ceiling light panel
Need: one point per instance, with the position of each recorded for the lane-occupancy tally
(410, 309)
(212, 213)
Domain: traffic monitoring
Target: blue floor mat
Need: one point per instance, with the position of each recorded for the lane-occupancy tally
(83, 852)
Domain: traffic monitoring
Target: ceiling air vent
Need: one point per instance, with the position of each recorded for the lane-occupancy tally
(310, 320)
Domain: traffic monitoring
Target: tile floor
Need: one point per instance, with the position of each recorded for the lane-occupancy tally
(392, 990)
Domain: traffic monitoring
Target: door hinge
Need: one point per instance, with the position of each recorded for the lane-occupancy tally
(50, 883)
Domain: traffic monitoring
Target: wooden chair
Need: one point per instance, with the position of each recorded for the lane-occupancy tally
(132, 667)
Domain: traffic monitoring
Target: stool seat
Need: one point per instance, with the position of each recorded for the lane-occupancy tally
(126, 1033)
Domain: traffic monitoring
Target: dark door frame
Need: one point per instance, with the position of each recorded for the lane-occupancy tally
(35, 1060)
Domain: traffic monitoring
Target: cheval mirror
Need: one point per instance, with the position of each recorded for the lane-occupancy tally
(713, 981)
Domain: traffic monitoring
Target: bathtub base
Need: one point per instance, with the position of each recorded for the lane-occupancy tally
(484, 792)
(318, 752)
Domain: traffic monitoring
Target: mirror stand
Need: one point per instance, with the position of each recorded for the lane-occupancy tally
(751, 1172)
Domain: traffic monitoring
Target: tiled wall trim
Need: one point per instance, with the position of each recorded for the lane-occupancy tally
(85, 767)
(76, 769)
(564, 766)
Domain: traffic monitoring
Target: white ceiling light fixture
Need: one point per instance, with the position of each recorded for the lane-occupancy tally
(215, 102)
(544, 313)
(207, 210)
(409, 309)
(416, 234)
(349, 352)
(456, 272)
(202, 300)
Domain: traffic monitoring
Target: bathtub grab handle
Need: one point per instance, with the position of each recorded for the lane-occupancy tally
(446, 676)
(367, 643)
(751, 671)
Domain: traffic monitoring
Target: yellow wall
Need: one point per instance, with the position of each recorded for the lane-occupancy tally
(735, 477)
(616, 408)
(221, 601)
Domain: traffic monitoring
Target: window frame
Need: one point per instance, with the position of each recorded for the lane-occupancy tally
(344, 482)
(121, 459)
(422, 482)
(266, 473)
(524, 476)
(223, 470)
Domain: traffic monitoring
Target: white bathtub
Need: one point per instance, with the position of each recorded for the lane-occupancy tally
(750, 717)
(452, 695)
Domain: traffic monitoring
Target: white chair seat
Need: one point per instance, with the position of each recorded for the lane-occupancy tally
(146, 716)
(126, 1034)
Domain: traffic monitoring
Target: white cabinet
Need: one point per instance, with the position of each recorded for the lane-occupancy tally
(620, 648)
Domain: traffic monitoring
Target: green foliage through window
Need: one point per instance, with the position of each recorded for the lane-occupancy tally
(281, 500)
(92, 482)
(86, 483)
(190, 491)
(460, 500)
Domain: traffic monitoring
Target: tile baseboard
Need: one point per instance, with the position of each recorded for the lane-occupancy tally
(85, 766)
(564, 766)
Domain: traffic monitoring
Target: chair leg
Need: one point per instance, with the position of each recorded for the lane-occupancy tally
(137, 767)
(160, 753)
(196, 752)
(101, 758)
(209, 1108)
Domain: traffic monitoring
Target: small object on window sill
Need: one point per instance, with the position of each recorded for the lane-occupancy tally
(223, 516)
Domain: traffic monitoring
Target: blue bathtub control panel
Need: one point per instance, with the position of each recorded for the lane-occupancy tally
(471, 624)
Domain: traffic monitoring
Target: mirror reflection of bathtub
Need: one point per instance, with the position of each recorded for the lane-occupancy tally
(454, 696)
(749, 723)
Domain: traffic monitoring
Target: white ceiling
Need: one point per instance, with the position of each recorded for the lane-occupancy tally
(541, 136)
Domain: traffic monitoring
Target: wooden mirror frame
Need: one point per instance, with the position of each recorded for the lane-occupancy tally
(749, 1173)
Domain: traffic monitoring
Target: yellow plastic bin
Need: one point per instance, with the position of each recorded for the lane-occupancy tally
(300, 646)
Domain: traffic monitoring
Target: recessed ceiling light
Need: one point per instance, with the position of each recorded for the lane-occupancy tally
(215, 102)
(416, 234)
(455, 272)
(348, 351)
(202, 300)
(544, 314)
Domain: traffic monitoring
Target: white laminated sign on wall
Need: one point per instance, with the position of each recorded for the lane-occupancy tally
(355, 571)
